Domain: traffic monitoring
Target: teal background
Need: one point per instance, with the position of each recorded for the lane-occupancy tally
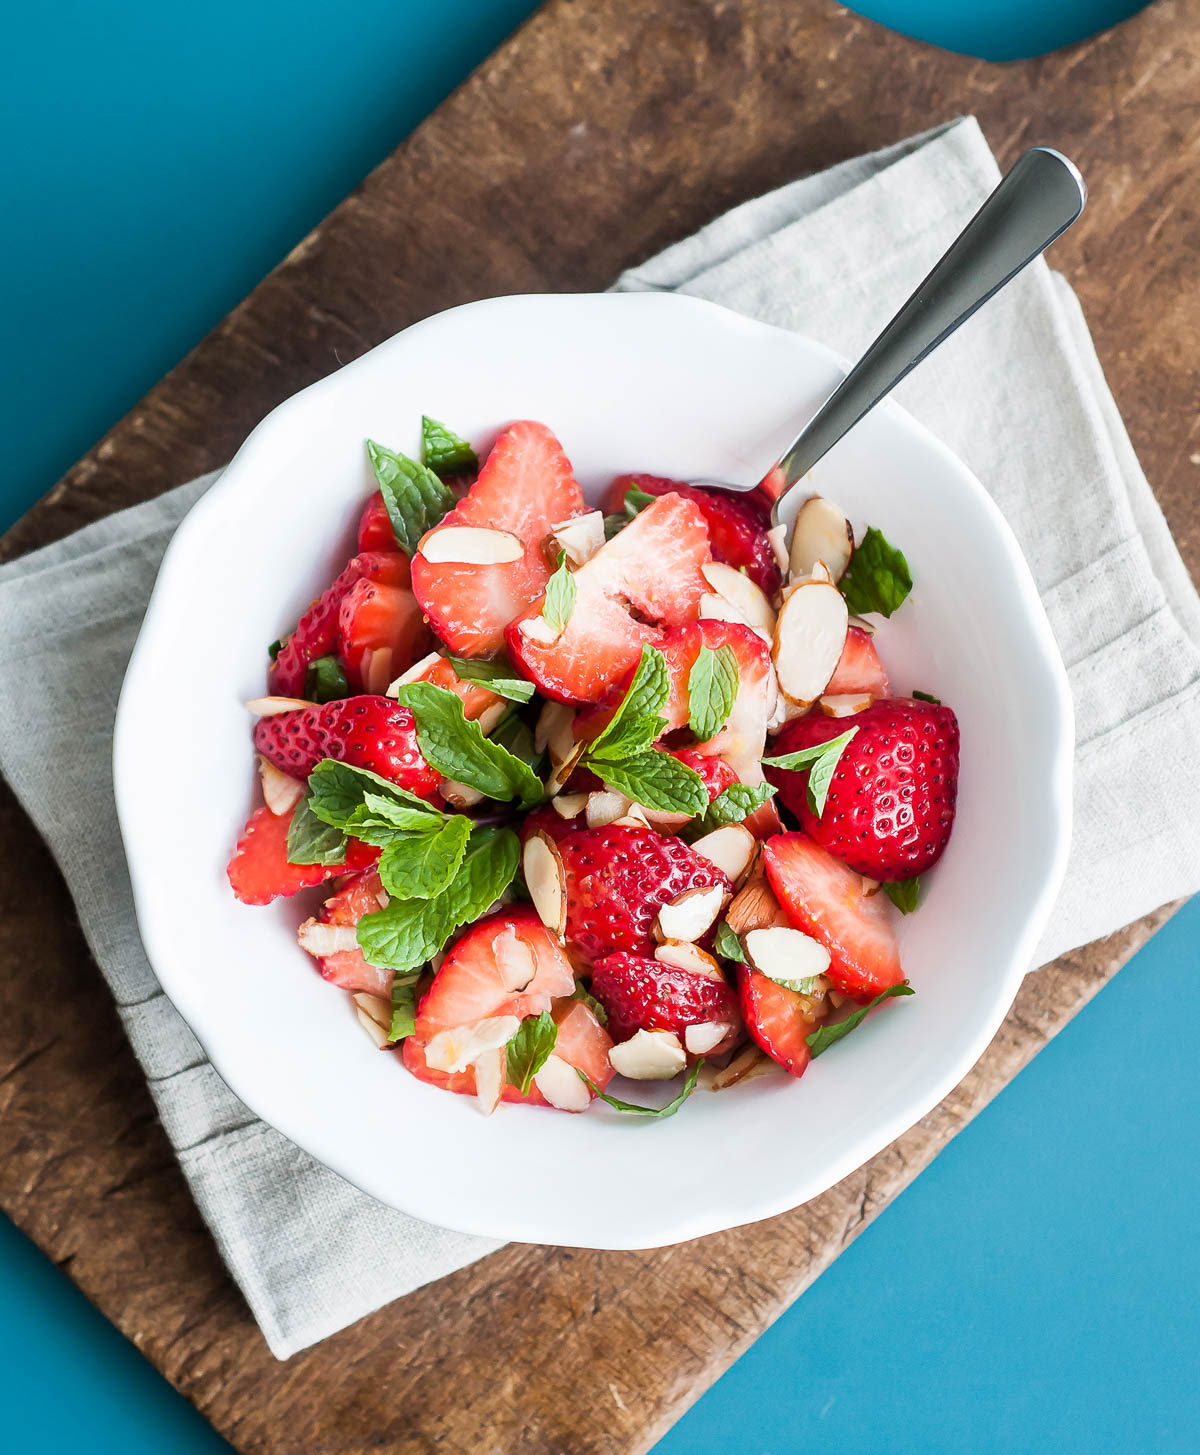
(1034, 1289)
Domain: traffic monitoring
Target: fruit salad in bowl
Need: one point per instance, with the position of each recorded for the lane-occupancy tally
(583, 796)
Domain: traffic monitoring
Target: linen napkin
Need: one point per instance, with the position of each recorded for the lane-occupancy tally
(1018, 393)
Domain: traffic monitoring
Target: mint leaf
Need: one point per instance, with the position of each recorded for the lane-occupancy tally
(420, 865)
(712, 689)
(526, 1052)
(459, 749)
(384, 817)
(878, 578)
(927, 697)
(274, 649)
(637, 500)
(825, 1036)
(582, 993)
(726, 943)
(736, 803)
(310, 841)
(516, 735)
(559, 605)
(655, 780)
(444, 451)
(324, 680)
(339, 789)
(497, 677)
(633, 1109)
(409, 932)
(613, 525)
(404, 1007)
(413, 495)
(821, 760)
(636, 722)
(905, 894)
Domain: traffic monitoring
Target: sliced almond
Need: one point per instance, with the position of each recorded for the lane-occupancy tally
(456, 1049)
(687, 956)
(273, 706)
(845, 704)
(747, 1064)
(691, 915)
(665, 823)
(376, 1007)
(415, 673)
(563, 770)
(570, 805)
(514, 960)
(700, 1039)
(605, 807)
(809, 637)
(649, 1056)
(863, 625)
(715, 607)
(546, 881)
(749, 599)
(754, 906)
(580, 537)
(538, 629)
(371, 1026)
(634, 818)
(821, 533)
(490, 716)
(731, 849)
(785, 954)
(320, 939)
(554, 730)
(489, 1079)
(562, 1085)
(460, 795)
(777, 537)
(471, 545)
(377, 670)
(870, 886)
(281, 792)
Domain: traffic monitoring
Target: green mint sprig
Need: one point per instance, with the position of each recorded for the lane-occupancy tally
(496, 676)
(927, 697)
(735, 803)
(878, 578)
(633, 1109)
(404, 1007)
(528, 1050)
(727, 944)
(458, 749)
(821, 760)
(825, 1036)
(413, 495)
(445, 452)
(905, 894)
(324, 680)
(712, 690)
(561, 593)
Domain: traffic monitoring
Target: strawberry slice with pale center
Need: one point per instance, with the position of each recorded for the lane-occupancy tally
(859, 668)
(643, 583)
(260, 871)
(526, 487)
(381, 631)
(775, 1018)
(827, 899)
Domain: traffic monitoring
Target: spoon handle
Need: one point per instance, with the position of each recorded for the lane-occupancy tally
(1038, 200)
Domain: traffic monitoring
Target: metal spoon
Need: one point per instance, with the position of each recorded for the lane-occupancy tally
(1036, 202)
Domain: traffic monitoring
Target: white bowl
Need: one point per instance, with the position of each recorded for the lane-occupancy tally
(652, 382)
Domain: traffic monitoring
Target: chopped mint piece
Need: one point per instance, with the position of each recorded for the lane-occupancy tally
(825, 1036)
(633, 1109)
(459, 749)
(560, 596)
(324, 680)
(727, 944)
(413, 495)
(878, 578)
(927, 697)
(497, 677)
(712, 690)
(821, 760)
(526, 1052)
(444, 451)
(904, 894)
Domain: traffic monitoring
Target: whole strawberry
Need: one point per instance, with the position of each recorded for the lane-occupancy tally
(617, 879)
(890, 806)
(367, 732)
(643, 994)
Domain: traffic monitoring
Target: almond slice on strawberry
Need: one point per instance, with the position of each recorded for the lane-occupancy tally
(644, 582)
(525, 488)
(330, 938)
(827, 900)
(778, 1019)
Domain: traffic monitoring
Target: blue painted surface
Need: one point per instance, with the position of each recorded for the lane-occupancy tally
(1032, 1290)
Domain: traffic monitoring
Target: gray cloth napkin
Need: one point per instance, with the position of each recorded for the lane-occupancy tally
(1018, 393)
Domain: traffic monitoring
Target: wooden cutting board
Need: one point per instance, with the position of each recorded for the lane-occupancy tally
(600, 132)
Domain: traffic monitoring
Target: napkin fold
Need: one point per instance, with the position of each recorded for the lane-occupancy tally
(1018, 393)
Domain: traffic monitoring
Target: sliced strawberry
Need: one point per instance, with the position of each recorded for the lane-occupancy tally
(475, 699)
(412, 1053)
(827, 900)
(381, 631)
(482, 975)
(375, 531)
(368, 732)
(716, 772)
(363, 894)
(526, 487)
(859, 668)
(737, 524)
(775, 1017)
(316, 632)
(259, 870)
(617, 880)
(644, 994)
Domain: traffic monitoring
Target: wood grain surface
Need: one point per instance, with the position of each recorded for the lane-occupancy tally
(597, 134)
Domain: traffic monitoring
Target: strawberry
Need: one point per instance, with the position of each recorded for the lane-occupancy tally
(380, 632)
(737, 524)
(716, 772)
(776, 1019)
(260, 871)
(617, 880)
(644, 994)
(363, 894)
(475, 699)
(506, 964)
(859, 668)
(368, 732)
(645, 581)
(526, 487)
(890, 806)
(316, 632)
(375, 531)
(827, 900)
